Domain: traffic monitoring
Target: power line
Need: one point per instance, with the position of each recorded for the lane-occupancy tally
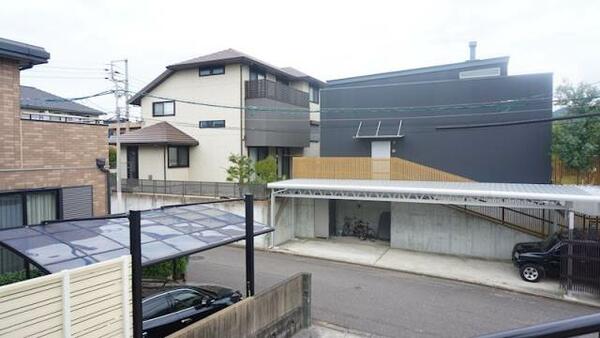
(512, 123)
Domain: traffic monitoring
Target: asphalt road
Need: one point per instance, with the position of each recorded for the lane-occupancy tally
(387, 303)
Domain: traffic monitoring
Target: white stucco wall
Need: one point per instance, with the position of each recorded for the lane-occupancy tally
(208, 160)
(152, 164)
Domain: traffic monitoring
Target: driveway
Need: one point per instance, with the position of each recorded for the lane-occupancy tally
(383, 302)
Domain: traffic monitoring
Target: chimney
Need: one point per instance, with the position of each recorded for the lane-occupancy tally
(472, 47)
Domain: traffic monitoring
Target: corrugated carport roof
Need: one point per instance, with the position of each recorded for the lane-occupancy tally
(460, 193)
(166, 233)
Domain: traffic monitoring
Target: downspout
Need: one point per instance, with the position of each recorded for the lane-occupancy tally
(165, 165)
(106, 171)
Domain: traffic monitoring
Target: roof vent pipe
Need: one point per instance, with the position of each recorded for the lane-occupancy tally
(472, 48)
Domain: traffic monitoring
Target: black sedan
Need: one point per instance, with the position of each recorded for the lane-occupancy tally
(172, 309)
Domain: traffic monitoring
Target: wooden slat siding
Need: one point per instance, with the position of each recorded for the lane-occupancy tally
(252, 315)
(411, 171)
(561, 174)
(34, 307)
(365, 168)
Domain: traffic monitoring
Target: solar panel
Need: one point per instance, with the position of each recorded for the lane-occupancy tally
(166, 233)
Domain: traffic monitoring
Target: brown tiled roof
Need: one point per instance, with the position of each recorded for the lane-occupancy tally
(227, 56)
(160, 133)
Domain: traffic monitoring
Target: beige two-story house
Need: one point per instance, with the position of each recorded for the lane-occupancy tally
(199, 111)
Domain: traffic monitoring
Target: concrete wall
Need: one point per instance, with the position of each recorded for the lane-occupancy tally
(137, 201)
(279, 311)
(439, 229)
(363, 210)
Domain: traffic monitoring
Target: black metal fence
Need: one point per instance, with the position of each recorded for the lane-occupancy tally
(192, 188)
(538, 222)
(580, 262)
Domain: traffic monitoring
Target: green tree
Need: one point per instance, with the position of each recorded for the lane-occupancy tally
(577, 142)
(240, 170)
(112, 157)
(266, 170)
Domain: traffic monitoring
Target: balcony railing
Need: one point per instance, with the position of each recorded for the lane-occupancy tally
(256, 89)
(61, 118)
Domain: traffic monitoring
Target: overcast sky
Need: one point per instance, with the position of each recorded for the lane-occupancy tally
(326, 39)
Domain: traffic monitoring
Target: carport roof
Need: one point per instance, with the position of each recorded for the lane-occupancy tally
(166, 233)
(548, 196)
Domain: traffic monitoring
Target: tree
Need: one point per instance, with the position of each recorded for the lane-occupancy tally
(577, 142)
(240, 169)
(266, 170)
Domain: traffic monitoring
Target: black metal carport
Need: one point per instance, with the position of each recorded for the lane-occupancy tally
(150, 236)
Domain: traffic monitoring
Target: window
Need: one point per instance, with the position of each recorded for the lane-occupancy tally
(23, 208)
(257, 74)
(212, 70)
(155, 307)
(283, 81)
(186, 299)
(483, 72)
(179, 157)
(166, 108)
(212, 124)
(313, 94)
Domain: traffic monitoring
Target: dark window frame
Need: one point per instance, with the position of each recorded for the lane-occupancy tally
(23, 195)
(178, 165)
(257, 71)
(211, 70)
(315, 92)
(211, 124)
(154, 104)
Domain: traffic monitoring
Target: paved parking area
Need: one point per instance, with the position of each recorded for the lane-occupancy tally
(384, 302)
(499, 274)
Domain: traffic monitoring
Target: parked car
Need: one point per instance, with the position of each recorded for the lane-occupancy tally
(535, 260)
(172, 309)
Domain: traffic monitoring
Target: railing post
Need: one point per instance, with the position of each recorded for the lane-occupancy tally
(249, 202)
(135, 247)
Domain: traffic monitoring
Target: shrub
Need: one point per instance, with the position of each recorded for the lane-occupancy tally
(164, 270)
(266, 170)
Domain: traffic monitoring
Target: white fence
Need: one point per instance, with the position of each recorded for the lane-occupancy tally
(92, 301)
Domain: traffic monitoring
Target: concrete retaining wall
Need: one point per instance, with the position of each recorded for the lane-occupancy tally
(366, 211)
(439, 229)
(279, 311)
(142, 201)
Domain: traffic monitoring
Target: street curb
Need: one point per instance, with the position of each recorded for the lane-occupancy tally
(500, 287)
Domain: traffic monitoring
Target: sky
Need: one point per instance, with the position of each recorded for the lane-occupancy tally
(326, 39)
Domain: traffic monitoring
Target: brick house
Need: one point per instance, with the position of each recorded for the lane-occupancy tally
(48, 169)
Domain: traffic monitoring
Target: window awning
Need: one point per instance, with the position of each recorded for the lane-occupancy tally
(166, 233)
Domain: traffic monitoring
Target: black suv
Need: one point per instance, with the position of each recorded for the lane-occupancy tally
(170, 310)
(537, 259)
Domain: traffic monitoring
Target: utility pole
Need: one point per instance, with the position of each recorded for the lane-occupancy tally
(121, 90)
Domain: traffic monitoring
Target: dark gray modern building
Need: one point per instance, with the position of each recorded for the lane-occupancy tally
(399, 114)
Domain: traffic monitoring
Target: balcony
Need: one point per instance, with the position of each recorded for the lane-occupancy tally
(256, 89)
(34, 116)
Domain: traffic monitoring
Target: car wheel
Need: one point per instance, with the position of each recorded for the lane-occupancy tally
(531, 273)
